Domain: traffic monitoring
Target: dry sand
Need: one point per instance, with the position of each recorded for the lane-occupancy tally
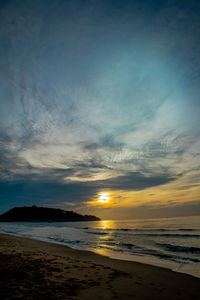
(31, 269)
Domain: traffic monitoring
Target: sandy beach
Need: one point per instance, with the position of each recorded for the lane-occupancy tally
(31, 269)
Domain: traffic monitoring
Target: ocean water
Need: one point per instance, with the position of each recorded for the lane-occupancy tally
(172, 243)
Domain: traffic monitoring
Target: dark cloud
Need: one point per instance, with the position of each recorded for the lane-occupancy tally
(137, 181)
(91, 164)
(43, 192)
(35, 189)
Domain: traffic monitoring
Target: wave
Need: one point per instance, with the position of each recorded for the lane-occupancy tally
(64, 241)
(187, 229)
(171, 235)
(123, 245)
(9, 232)
(174, 257)
(136, 250)
(152, 234)
(142, 229)
(174, 248)
(97, 233)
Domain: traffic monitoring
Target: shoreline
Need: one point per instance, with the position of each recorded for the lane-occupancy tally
(145, 260)
(54, 271)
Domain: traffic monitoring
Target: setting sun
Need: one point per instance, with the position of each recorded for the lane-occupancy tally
(104, 198)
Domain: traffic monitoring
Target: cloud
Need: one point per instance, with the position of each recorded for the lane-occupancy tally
(112, 106)
(37, 189)
(137, 181)
(151, 211)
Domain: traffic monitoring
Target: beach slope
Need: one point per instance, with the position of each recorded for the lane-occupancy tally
(31, 269)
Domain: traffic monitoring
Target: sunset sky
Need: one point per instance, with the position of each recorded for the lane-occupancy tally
(100, 106)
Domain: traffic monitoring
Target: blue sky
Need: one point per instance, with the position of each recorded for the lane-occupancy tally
(100, 96)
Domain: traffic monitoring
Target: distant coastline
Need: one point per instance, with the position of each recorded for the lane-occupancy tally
(43, 214)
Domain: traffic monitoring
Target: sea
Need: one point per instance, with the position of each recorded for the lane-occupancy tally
(172, 243)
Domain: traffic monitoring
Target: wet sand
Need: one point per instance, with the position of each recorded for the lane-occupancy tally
(31, 269)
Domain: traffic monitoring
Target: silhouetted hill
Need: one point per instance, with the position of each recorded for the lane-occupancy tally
(43, 214)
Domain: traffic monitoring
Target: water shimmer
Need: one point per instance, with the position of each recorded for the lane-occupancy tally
(173, 243)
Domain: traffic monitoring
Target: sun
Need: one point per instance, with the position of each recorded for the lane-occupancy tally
(104, 198)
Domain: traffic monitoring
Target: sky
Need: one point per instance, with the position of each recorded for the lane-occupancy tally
(100, 105)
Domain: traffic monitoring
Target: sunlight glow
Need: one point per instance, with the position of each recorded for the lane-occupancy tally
(104, 198)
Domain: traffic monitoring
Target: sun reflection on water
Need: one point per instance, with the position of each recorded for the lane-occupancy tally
(107, 224)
